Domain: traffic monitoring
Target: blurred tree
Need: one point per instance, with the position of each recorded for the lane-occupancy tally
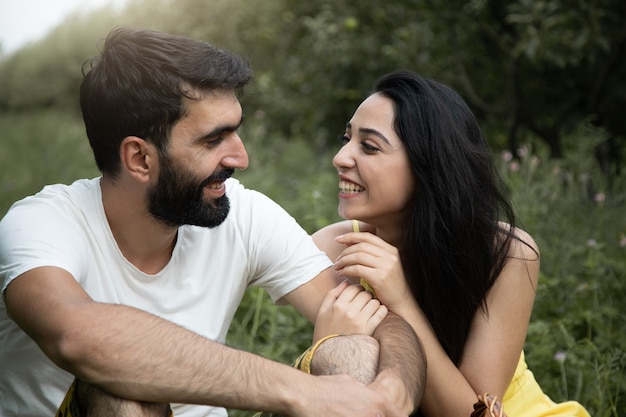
(47, 73)
(540, 66)
(529, 68)
(327, 57)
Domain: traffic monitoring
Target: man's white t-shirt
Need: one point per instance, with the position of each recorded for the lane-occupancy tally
(259, 244)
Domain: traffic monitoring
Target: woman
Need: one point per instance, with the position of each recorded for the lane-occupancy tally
(441, 247)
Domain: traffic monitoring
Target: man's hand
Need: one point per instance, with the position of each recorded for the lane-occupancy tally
(341, 396)
(393, 388)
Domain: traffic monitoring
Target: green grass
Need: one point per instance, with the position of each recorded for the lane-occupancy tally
(576, 343)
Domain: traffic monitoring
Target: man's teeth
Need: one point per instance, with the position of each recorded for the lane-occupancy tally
(349, 188)
(215, 185)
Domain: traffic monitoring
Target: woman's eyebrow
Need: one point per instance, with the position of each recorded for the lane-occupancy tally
(369, 131)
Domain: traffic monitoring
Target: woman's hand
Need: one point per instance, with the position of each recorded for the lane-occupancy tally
(369, 257)
(348, 309)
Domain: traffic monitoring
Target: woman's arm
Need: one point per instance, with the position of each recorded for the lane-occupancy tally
(494, 344)
(504, 325)
(496, 337)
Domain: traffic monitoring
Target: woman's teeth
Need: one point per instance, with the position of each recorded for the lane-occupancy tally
(349, 188)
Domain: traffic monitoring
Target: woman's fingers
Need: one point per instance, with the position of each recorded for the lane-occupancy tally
(332, 295)
(348, 309)
(369, 257)
(353, 238)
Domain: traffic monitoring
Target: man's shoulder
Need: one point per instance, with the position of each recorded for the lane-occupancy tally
(58, 199)
(65, 192)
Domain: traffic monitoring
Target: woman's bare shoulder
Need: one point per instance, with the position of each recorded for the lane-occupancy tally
(523, 257)
(523, 245)
(325, 238)
(333, 230)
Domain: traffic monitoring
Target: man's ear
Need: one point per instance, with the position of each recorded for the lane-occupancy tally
(138, 158)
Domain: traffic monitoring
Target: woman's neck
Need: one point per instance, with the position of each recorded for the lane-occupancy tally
(391, 235)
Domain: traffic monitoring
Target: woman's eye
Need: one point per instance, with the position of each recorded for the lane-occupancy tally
(369, 148)
(344, 139)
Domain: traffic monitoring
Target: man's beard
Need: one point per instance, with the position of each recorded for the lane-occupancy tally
(177, 199)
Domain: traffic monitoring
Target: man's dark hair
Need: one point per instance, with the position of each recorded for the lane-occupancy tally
(137, 87)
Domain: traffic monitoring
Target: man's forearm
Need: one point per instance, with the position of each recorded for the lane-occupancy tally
(401, 356)
(162, 362)
(138, 356)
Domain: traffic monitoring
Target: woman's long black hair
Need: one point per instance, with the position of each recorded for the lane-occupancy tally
(454, 245)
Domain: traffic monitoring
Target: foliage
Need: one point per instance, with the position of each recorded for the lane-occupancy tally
(37, 149)
(525, 66)
(575, 340)
(46, 74)
(538, 66)
(257, 316)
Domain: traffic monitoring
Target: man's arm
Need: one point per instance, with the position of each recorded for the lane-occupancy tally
(399, 372)
(138, 356)
(401, 365)
(402, 358)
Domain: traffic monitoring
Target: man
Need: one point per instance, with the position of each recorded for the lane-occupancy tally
(127, 283)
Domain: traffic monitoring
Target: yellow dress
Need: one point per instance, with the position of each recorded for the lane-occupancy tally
(525, 398)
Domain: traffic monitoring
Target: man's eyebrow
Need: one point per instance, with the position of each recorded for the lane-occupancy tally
(219, 130)
(369, 131)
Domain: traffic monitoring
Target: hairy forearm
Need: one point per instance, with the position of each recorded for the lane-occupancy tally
(135, 355)
(401, 356)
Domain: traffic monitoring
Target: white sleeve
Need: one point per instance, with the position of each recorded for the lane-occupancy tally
(283, 255)
(34, 234)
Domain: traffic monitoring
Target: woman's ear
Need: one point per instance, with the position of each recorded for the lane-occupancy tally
(138, 157)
